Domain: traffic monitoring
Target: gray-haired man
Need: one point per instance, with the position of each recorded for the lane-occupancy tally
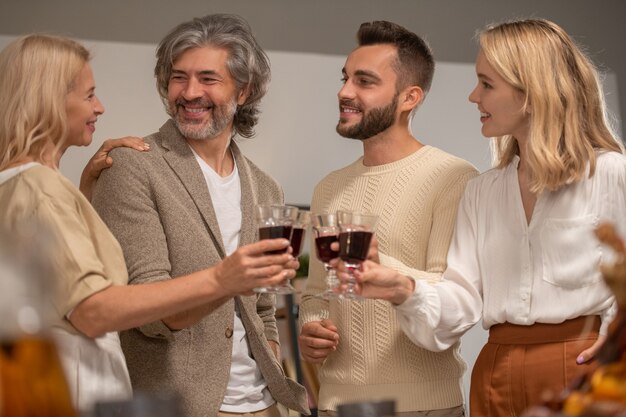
(186, 205)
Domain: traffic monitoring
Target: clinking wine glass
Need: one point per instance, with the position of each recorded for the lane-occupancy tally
(298, 231)
(276, 221)
(326, 232)
(355, 234)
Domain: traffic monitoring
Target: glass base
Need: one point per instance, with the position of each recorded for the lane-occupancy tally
(278, 289)
(330, 295)
(351, 296)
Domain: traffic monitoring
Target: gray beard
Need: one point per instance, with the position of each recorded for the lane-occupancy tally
(222, 116)
(199, 131)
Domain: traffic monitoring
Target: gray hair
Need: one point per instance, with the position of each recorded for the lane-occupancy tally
(247, 62)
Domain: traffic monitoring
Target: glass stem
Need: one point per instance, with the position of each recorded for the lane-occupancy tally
(331, 278)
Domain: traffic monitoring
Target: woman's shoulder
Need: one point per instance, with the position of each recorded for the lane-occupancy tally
(48, 181)
(40, 189)
(36, 179)
(610, 160)
(610, 169)
(492, 175)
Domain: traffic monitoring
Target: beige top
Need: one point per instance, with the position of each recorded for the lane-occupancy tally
(89, 258)
(416, 199)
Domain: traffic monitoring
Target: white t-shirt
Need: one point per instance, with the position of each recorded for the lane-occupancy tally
(508, 270)
(246, 390)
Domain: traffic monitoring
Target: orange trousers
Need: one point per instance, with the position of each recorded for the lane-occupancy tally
(521, 365)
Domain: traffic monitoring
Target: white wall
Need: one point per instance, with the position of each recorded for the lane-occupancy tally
(296, 140)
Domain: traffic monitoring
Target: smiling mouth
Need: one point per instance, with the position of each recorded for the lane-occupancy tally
(192, 113)
(194, 110)
(346, 112)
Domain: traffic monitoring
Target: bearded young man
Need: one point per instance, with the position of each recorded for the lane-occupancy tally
(415, 190)
(186, 205)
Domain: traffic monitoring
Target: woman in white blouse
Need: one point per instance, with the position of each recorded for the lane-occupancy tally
(523, 257)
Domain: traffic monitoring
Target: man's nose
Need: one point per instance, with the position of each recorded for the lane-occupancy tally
(346, 91)
(192, 89)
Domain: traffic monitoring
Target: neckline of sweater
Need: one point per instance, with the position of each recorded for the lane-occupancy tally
(392, 166)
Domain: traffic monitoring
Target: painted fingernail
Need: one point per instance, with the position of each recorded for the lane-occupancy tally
(580, 359)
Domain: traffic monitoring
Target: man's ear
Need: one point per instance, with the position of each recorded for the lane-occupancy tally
(411, 97)
(243, 95)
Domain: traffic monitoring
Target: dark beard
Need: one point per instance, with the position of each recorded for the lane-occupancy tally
(373, 122)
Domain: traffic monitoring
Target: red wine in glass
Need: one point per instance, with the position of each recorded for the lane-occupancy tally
(356, 233)
(322, 246)
(325, 229)
(297, 238)
(275, 232)
(353, 246)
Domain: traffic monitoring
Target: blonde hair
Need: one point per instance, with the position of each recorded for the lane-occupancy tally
(563, 96)
(36, 74)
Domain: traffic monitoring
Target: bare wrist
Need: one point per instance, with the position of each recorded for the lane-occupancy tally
(404, 290)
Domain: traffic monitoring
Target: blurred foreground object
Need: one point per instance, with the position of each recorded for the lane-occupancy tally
(367, 409)
(32, 381)
(141, 405)
(603, 393)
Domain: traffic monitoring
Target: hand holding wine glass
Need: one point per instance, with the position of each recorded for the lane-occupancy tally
(276, 221)
(378, 282)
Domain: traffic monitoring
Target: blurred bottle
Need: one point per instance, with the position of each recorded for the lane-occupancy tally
(32, 381)
(164, 404)
(385, 408)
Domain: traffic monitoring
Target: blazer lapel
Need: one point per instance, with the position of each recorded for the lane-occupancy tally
(182, 161)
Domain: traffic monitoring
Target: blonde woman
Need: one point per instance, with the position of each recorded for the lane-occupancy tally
(49, 104)
(523, 257)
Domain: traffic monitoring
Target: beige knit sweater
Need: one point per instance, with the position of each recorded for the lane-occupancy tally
(416, 199)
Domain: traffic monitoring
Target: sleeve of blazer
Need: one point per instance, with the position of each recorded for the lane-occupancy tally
(123, 197)
(266, 309)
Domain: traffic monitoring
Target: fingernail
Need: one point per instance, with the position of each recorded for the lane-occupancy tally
(580, 359)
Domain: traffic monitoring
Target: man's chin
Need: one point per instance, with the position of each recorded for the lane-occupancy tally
(192, 131)
(348, 133)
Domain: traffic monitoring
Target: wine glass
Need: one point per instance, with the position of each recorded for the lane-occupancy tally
(298, 231)
(355, 234)
(276, 221)
(326, 232)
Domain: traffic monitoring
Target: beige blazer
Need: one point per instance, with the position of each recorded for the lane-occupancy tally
(158, 206)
